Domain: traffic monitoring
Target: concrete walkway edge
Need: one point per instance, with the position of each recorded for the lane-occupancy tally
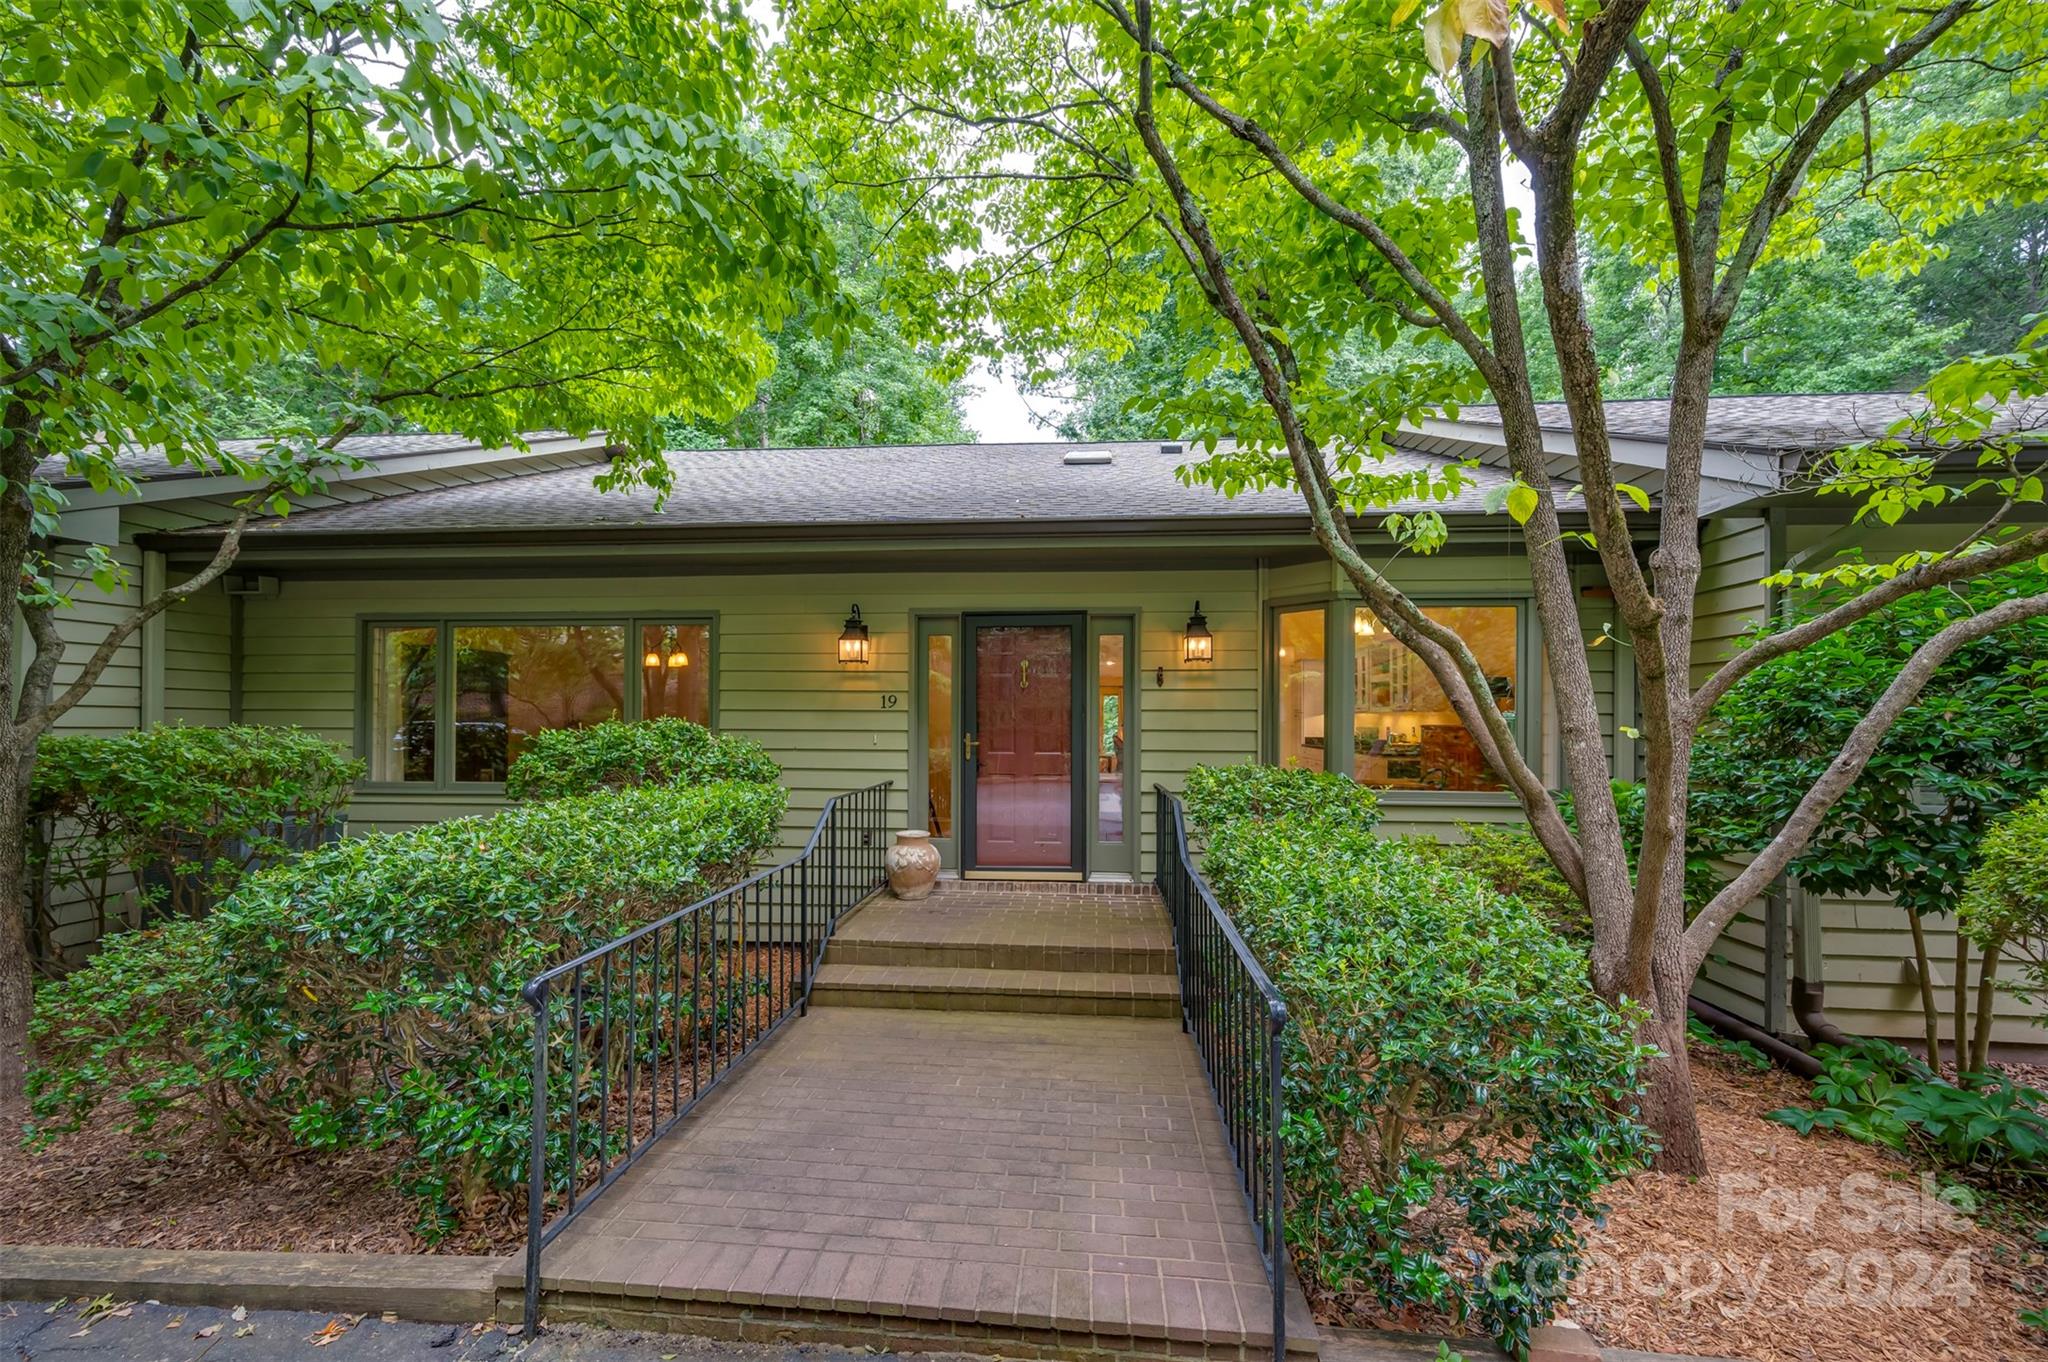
(432, 1288)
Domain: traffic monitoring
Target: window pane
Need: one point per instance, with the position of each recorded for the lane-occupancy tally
(938, 733)
(675, 672)
(404, 680)
(1300, 687)
(1406, 734)
(512, 681)
(1109, 728)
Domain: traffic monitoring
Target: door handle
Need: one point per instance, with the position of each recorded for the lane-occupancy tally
(968, 744)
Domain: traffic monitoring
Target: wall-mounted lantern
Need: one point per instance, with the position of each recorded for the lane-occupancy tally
(1198, 644)
(853, 641)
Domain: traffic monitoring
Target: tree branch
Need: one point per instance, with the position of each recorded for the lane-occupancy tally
(1448, 657)
(1847, 92)
(1927, 576)
(1847, 765)
(1245, 130)
(1666, 135)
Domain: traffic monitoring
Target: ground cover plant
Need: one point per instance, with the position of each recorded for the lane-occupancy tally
(368, 994)
(1457, 1094)
(1879, 1093)
(190, 810)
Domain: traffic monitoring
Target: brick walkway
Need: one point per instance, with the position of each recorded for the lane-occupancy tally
(1024, 1182)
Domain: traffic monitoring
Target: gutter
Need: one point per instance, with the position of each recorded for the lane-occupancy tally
(977, 532)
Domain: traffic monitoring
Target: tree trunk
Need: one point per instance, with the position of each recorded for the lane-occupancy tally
(1987, 1003)
(1961, 1029)
(17, 971)
(1668, 1103)
(1930, 1009)
(18, 458)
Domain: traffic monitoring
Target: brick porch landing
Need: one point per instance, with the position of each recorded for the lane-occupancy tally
(996, 1181)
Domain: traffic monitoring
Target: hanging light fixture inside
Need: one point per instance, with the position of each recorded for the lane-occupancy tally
(652, 659)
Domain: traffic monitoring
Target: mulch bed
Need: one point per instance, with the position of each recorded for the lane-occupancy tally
(99, 1188)
(1803, 1249)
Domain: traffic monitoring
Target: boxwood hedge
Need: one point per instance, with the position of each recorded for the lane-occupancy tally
(571, 761)
(368, 993)
(1457, 1095)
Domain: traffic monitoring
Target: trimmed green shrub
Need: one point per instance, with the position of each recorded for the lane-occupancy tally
(369, 992)
(1457, 1095)
(557, 762)
(190, 810)
(1228, 794)
(1512, 862)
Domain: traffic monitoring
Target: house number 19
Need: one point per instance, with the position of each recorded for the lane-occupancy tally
(889, 701)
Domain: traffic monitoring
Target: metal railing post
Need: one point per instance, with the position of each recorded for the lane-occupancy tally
(803, 897)
(537, 1159)
(1276, 1207)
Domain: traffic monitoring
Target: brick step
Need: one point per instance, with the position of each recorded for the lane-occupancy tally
(851, 948)
(945, 988)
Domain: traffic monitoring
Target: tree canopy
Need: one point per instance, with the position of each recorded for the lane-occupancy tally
(869, 386)
(494, 216)
(1846, 312)
(1309, 184)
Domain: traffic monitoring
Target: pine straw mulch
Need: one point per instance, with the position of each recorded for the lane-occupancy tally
(99, 1188)
(1732, 1265)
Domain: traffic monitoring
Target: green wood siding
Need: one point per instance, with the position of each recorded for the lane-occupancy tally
(777, 676)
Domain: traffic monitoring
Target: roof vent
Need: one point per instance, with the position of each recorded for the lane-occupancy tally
(1171, 447)
(1087, 458)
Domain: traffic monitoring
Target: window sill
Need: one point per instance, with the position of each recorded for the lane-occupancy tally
(1488, 798)
(389, 789)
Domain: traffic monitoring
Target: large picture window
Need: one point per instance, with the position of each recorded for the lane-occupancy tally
(1405, 735)
(456, 702)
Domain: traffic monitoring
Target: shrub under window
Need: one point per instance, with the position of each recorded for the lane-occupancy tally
(571, 761)
(368, 993)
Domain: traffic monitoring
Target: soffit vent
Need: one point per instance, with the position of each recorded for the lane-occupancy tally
(1087, 458)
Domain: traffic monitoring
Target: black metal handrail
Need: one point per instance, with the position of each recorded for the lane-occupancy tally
(1239, 1023)
(629, 1037)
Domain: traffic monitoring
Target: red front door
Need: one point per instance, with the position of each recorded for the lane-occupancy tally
(1023, 806)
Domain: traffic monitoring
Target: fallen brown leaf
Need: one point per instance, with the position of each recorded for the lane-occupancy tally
(333, 1329)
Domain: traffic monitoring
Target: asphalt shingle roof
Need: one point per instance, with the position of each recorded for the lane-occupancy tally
(153, 465)
(1779, 423)
(969, 484)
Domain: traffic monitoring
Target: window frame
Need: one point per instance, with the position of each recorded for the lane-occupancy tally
(444, 781)
(1340, 688)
